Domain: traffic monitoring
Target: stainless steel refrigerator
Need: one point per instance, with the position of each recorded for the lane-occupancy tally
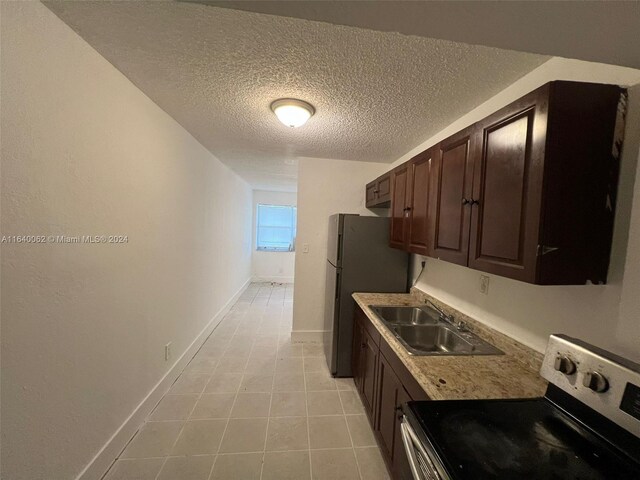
(359, 259)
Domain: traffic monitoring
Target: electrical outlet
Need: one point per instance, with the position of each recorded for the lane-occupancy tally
(167, 352)
(305, 248)
(484, 284)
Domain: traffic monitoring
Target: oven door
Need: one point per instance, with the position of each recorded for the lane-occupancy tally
(422, 460)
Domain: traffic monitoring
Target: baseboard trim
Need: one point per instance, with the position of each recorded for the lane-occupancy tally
(276, 279)
(307, 336)
(101, 462)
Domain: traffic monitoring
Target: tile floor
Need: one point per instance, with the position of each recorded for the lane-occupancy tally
(253, 406)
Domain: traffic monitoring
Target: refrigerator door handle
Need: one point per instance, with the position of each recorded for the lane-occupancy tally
(337, 292)
(339, 257)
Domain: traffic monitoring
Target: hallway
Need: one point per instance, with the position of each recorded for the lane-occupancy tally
(251, 405)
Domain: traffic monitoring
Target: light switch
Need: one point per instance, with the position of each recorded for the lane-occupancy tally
(305, 248)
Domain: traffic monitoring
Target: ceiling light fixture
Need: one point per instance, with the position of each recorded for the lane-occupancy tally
(292, 112)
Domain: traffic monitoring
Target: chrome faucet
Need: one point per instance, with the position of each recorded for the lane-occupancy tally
(450, 319)
(443, 316)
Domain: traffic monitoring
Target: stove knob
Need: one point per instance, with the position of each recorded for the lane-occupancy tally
(595, 381)
(565, 365)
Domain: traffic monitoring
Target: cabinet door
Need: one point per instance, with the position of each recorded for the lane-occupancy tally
(418, 194)
(384, 188)
(356, 354)
(388, 386)
(399, 178)
(370, 194)
(507, 189)
(392, 396)
(453, 161)
(378, 192)
(368, 368)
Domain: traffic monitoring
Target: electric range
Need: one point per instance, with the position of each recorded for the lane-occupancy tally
(587, 426)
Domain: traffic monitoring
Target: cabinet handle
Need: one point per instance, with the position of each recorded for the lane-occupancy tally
(475, 202)
(363, 345)
(375, 191)
(399, 412)
(465, 201)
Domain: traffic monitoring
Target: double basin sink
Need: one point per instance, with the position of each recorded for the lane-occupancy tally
(425, 331)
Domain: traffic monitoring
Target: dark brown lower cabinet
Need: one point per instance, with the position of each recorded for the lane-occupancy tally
(383, 383)
(370, 354)
(356, 355)
(364, 362)
(392, 396)
(388, 412)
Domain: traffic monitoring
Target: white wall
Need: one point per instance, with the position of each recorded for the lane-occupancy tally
(531, 313)
(627, 333)
(271, 266)
(84, 152)
(325, 187)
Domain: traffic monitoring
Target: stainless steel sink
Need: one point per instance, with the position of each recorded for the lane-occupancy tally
(408, 315)
(432, 338)
(424, 331)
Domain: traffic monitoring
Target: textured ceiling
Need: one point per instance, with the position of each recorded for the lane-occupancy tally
(376, 94)
(597, 31)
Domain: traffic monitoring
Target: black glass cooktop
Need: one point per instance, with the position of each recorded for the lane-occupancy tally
(517, 439)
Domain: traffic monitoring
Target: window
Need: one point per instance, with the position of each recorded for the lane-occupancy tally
(276, 228)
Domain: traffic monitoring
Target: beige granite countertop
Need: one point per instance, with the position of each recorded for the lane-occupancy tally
(513, 375)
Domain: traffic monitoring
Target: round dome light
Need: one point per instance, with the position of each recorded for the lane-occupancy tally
(292, 112)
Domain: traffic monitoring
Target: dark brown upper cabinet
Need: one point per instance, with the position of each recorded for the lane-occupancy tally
(378, 192)
(452, 196)
(527, 193)
(399, 182)
(507, 188)
(537, 188)
(410, 228)
(417, 216)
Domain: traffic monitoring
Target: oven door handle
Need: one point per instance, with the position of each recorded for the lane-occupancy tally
(411, 444)
(410, 448)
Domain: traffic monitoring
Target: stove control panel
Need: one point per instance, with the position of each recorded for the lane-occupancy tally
(602, 380)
